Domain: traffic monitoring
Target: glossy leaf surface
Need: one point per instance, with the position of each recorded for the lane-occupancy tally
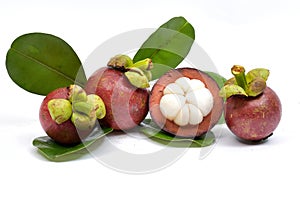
(151, 130)
(40, 63)
(56, 152)
(218, 78)
(167, 46)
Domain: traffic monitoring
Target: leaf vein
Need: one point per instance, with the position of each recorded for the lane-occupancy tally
(43, 64)
(168, 41)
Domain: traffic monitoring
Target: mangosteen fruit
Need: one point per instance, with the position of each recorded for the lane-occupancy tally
(68, 115)
(252, 109)
(185, 102)
(122, 85)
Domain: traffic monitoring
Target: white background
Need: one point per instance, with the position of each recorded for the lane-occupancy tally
(253, 33)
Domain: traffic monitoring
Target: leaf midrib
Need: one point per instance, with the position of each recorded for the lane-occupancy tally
(166, 43)
(43, 64)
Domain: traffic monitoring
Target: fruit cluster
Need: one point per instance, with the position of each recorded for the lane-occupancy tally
(184, 102)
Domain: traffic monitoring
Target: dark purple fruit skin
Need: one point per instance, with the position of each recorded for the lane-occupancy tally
(126, 106)
(253, 118)
(65, 133)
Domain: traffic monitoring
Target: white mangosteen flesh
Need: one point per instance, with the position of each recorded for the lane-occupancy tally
(186, 101)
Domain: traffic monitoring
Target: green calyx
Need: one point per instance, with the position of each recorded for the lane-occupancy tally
(82, 109)
(98, 105)
(121, 62)
(251, 84)
(138, 73)
(76, 93)
(82, 121)
(137, 78)
(144, 65)
(60, 110)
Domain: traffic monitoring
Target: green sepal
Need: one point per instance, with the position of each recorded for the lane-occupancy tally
(252, 84)
(229, 90)
(137, 78)
(258, 72)
(256, 86)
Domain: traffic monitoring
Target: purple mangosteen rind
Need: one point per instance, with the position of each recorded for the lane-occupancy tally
(126, 105)
(252, 110)
(64, 133)
(68, 115)
(123, 86)
(253, 118)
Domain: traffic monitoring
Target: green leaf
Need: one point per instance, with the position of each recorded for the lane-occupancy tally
(218, 78)
(167, 46)
(55, 152)
(40, 63)
(222, 119)
(151, 130)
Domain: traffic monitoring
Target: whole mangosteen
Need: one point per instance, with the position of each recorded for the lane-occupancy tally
(122, 85)
(252, 110)
(185, 102)
(68, 115)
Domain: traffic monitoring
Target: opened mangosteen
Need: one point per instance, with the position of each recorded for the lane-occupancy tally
(68, 115)
(122, 85)
(252, 110)
(185, 102)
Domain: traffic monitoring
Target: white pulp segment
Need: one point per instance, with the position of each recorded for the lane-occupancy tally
(195, 115)
(171, 104)
(202, 99)
(184, 83)
(196, 84)
(173, 88)
(182, 118)
(186, 101)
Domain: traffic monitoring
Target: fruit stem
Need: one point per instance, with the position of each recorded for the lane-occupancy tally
(240, 77)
